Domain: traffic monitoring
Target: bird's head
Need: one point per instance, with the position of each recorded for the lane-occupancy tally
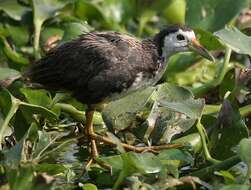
(173, 39)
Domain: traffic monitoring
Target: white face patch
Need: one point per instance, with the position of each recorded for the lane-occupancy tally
(173, 45)
(187, 34)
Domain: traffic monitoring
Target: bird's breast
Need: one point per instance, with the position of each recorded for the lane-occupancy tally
(141, 81)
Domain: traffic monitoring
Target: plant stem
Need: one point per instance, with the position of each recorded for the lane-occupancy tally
(202, 133)
(224, 165)
(214, 109)
(223, 69)
(11, 113)
(79, 115)
(37, 27)
(119, 180)
(43, 156)
(245, 110)
(211, 109)
(46, 147)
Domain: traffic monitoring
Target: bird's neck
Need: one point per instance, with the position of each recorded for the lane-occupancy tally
(166, 53)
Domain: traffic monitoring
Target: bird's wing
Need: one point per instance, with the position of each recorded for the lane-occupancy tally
(92, 66)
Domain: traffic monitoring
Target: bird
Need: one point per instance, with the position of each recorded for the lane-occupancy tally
(102, 66)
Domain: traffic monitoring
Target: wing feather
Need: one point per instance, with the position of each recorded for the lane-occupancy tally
(94, 65)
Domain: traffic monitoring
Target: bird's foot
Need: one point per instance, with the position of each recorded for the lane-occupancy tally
(129, 147)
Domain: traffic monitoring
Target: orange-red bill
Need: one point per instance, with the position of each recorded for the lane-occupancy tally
(198, 48)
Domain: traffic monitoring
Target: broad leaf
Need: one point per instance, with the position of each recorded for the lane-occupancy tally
(37, 97)
(22, 178)
(119, 114)
(133, 162)
(30, 109)
(18, 33)
(8, 105)
(44, 9)
(173, 112)
(234, 187)
(193, 140)
(240, 44)
(208, 40)
(165, 112)
(51, 169)
(245, 152)
(13, 9)
(176, 154)
(228, 131)
(213, 14)
(8, 74)
(12, 54)
(87, 10)
(75, 29)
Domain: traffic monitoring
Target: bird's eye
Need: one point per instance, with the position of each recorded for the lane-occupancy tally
(180, 37)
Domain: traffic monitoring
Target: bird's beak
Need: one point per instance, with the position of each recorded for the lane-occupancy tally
(195, 46)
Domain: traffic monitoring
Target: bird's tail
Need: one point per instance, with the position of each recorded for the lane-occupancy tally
(43, 74)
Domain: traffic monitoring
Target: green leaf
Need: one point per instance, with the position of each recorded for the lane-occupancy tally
(144, 163)
(228, 177)
(228, 131)
(208, 40)
(16, 154)
(30, 109)
(19, 170)
(37, 97)
(13, 9)
(21, 179)
(178, 63)
(8, 74)
(228, 84)
(12, 54)
(44, 139)
(175, 11)
(50, 31)
(213, 15)
(89, 186)
(9, 105)
(172, 159)
(74, 29)
(133, 162)
(18, 33)
(86, 10)
(240, 44)
(191, 108)
(193, 140)
(245, 152)
(234, 187)
(176, 154)
(50, 169)
(121, 113)
(43, 10)
(165, 112)
(115, 162)
(176, 112)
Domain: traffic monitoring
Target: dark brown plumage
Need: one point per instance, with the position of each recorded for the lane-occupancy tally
(97, 65)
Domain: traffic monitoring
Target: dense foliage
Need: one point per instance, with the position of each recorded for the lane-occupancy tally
(201, 108)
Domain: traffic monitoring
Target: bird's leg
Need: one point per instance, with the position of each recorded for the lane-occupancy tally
(92, 137)
(90, 132)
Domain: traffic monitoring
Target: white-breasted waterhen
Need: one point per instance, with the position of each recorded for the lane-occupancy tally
(98, 66)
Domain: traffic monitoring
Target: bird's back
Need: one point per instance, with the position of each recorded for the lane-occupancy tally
(96, 65)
